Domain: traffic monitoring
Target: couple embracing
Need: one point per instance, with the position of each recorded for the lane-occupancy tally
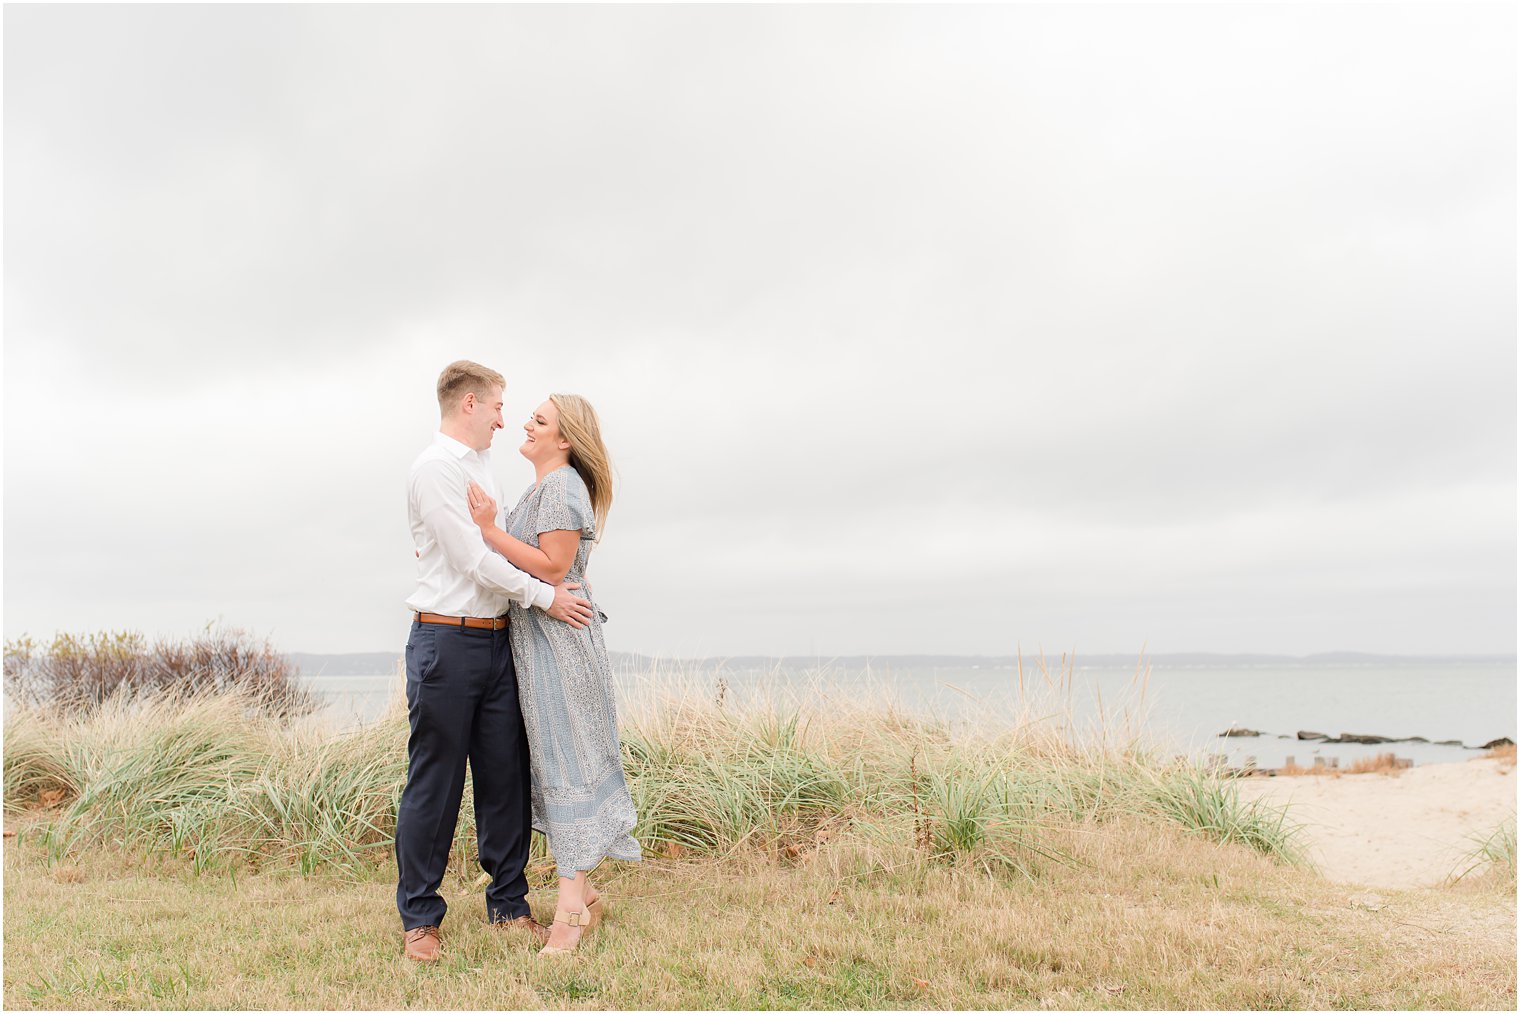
(506, 669)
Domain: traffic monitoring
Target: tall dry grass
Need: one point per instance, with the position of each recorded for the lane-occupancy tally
(213, 777)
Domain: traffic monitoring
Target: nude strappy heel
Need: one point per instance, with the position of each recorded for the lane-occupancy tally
(585, 919)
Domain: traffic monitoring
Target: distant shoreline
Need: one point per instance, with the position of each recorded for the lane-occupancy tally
(378, 663)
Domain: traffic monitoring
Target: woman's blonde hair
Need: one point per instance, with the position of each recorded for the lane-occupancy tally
(588, 455)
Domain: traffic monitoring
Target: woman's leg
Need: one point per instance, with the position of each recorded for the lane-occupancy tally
(574, 895)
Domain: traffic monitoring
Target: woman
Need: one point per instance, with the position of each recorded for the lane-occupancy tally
(564, 682)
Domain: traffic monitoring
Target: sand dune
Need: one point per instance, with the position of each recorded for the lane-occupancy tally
(1409, 829)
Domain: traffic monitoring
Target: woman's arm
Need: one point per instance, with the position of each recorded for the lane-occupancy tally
(549, 563)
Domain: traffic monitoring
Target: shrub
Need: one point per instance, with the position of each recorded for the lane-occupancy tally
(77, 673)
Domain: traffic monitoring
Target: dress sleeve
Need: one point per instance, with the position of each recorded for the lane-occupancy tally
(565, 505)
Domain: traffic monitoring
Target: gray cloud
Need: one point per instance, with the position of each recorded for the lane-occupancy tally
(913, 328)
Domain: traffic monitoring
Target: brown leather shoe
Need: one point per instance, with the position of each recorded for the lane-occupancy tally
(526, 927)
(424, 944)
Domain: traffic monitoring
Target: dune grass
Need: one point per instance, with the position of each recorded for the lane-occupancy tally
(1492, 857)
(215, 778)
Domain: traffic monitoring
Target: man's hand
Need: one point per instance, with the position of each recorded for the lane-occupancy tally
(571, 609)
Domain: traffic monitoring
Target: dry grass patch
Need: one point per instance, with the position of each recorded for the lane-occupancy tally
(1504, 754)
(1381, 764)
(1294, 770)
(1147, 916)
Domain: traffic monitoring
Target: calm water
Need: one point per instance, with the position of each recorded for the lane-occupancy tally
(1182, 709)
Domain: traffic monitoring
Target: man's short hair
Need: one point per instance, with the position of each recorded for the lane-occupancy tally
(462, 378)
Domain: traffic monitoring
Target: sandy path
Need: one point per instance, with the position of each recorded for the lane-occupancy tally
(1405, 830)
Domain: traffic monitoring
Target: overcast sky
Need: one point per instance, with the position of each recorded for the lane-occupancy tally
(912, 329)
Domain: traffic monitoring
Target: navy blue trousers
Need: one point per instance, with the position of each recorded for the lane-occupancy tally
(461, 697)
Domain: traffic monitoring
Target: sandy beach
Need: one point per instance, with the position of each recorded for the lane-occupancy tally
(1410, 829)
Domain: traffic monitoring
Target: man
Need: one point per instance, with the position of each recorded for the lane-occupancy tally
(461, 691)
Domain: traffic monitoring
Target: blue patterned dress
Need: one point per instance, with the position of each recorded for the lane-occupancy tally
(564, 686)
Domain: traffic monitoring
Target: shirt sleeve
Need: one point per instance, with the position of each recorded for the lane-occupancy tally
(441, 504)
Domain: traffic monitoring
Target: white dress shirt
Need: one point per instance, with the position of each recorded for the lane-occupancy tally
(457, 573)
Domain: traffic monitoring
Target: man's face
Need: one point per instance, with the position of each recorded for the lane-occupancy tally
(483, 417)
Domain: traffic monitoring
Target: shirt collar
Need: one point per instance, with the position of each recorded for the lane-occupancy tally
(453, 446)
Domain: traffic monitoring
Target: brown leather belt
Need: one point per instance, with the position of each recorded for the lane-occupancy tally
(478, 622)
